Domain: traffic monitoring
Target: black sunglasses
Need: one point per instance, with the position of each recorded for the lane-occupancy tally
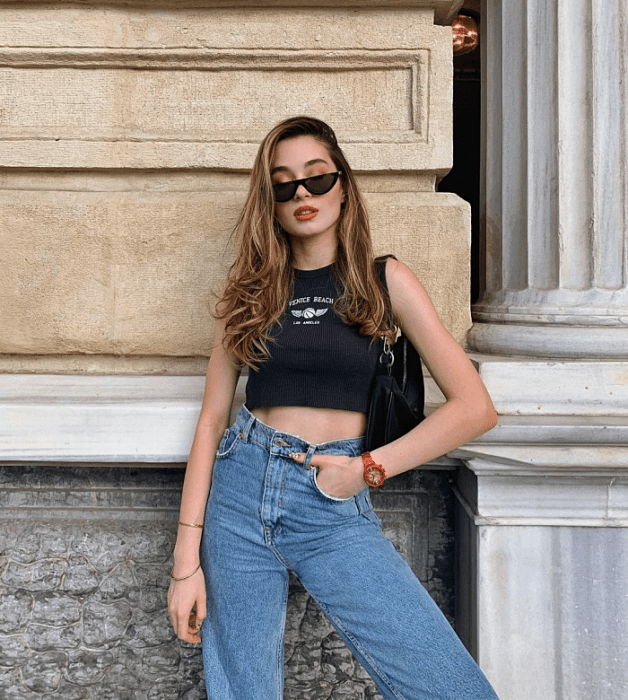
(317, 184)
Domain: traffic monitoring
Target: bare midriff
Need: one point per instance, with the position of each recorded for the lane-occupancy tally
(315, 425)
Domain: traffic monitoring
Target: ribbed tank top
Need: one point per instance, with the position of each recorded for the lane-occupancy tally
(316, 359)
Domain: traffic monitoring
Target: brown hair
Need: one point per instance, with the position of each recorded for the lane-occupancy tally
(261, 279)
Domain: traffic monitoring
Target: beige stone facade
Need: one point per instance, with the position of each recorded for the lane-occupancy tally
(126, 134)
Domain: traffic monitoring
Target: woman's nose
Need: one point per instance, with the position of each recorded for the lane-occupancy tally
(301, 192)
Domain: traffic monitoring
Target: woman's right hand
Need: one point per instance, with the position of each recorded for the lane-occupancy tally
(187, 605)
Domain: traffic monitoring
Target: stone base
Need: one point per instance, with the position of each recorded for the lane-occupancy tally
(542, 532)
(84, 563)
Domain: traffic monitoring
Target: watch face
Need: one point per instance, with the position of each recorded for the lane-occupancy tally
(375, 476)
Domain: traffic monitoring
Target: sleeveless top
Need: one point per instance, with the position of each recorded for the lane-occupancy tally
(316, 359)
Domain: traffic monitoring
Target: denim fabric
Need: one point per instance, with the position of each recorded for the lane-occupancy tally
(265, 516)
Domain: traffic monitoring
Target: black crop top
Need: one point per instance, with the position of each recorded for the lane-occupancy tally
(316, 359)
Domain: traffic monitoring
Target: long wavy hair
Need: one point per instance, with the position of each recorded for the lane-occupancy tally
(261, 279)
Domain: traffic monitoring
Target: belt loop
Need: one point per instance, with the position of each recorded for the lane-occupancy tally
(247, 427)
(308, 457)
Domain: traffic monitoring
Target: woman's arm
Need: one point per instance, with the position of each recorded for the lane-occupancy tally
(183, 596)
(468, 411)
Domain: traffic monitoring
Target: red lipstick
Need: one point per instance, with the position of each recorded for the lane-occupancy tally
(305, 213)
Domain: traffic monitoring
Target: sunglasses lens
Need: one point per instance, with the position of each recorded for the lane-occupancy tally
(284, 191)
(321, 184)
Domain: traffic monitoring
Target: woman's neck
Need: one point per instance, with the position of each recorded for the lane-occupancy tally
(306, 255)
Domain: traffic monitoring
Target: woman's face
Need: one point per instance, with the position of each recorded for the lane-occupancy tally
(306, 215)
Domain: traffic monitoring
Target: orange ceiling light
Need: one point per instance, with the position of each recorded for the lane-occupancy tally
(466, 34)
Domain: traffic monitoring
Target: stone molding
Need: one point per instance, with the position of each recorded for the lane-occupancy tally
(48, 418)
(392, 63)
(559, 341)
(419, 144)
(537, 501)
(559, 455)
(555, 417)
(546, 482)
(444, 10)
(499, 488)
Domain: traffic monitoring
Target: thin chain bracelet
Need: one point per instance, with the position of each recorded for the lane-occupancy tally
(174, 578)
(190, 524)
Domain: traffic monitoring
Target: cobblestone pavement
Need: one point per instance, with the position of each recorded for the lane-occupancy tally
(84, 570)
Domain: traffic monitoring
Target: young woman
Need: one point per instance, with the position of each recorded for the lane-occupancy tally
(305, 309)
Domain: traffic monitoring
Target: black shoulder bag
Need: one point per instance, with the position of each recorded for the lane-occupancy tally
(398, 393)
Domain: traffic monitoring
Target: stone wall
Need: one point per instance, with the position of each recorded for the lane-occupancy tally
(84, 571)
(127, 130)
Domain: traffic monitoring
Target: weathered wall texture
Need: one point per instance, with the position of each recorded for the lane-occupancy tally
(126, 135)
(84, 563)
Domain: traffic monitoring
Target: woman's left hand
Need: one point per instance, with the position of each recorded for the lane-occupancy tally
(338, 476)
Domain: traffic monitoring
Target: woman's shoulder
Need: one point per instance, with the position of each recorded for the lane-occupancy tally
(407, 294)
(389, 266)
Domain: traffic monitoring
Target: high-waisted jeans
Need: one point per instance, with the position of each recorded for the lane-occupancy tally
(266, 516)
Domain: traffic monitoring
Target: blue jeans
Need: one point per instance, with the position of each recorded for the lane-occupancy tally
(266, 515)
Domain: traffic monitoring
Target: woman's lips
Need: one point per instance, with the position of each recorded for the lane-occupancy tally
(305, 213)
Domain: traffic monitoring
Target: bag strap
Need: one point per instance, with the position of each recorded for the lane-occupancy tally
(380, 266)
(387, 356)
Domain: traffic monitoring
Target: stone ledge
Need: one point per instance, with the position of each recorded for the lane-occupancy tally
(550, 446)
(547, 472)
(116, 154)
(559, 455)
(559, 387)
(100, 420)
(557, 430)
(444, 10)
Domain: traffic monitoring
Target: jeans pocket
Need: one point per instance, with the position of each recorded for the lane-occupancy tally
(324, 494)
(229, 441)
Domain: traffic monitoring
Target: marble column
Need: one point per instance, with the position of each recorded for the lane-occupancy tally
(543, 499)
(555, 182)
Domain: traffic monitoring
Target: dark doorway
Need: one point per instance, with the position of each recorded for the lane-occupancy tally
(464, 177)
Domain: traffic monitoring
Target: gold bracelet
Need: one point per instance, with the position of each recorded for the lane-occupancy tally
(190, 524)
(174, 578)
